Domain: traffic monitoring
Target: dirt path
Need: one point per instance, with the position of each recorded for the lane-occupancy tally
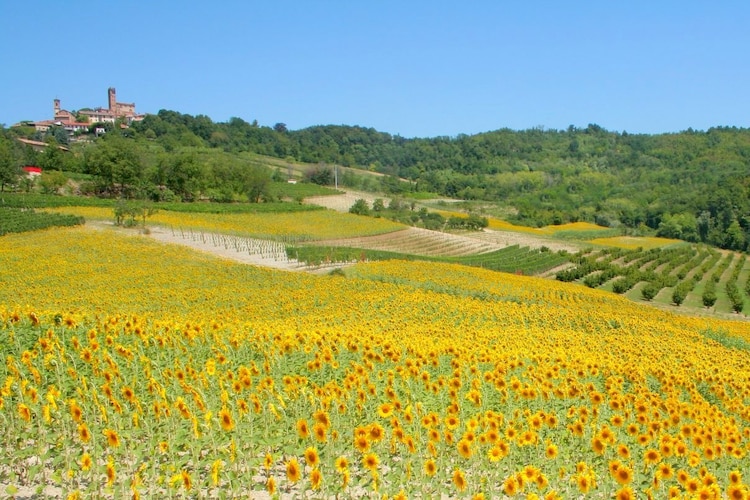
(245, 250)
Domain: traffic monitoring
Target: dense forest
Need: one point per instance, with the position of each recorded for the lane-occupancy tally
(693, 185)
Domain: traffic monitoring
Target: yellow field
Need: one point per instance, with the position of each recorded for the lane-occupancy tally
(502, 225)
(309, 225)
(633, 242)
(132, 367)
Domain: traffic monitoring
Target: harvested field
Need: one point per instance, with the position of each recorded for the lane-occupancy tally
(508, 238)
(343, 202)
(418, 241)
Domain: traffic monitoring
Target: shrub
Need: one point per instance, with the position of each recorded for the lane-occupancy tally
(360, 207)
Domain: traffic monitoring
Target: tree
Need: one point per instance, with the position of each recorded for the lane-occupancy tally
(320, 174)
(52, 181)
(59, 134)
(117, 164)
(649, 291)
(678, 295)
(51, 158)
(182, 174)
(280, 128)
(709, 297)
(360, 207)
(9, 169)
(256, 181)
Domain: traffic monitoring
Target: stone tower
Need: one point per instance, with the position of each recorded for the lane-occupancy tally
(111, 94)
(56, 103)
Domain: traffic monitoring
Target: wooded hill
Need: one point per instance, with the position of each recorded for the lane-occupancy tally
(693, 185)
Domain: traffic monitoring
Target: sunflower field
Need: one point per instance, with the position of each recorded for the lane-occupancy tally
(132, 368)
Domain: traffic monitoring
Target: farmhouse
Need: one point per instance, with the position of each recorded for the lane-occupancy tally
(32, 171)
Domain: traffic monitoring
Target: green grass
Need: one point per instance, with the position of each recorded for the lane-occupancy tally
(574, 235)
(236, 208)
(728, 341)
(300, 190)
(34, 200)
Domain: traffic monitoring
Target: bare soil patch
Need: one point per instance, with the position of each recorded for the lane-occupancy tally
(418, 241)
(343, 202)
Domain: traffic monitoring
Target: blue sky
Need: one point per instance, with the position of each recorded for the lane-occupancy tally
(414, 68)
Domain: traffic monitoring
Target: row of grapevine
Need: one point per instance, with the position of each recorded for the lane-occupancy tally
(733, 291)
(514, 259)
(709, 291)
(20, 220)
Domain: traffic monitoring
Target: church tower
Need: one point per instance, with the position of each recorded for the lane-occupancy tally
(112, 97)
(56, 103)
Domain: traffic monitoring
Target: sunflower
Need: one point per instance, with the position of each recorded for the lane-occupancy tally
(302, 428)
(530, 474)
(430, 468)
(319, 431)
(385, 410)
(550, 451)
(84, 433)
(664, 471)
(342, 464)
(271, 486)
(623, 475)
(737, 491)
(459, 479)
(86, 462)
(311, 457)
(464, 448)
(362, 444)
(225, 419)
(682, 476)
(376, 432)
(24, 412)
(370, 461)
(293, 472)
(675, 492)
(584, 482)
(625, 493)
(113, 440)
(598, 445)
(651, 456)
(316, 478)
(111, 472)
(322, 418)
(495, 454)
(216, 472)
(129, 394)
(187, 481)
(451, 422)
(511, 486)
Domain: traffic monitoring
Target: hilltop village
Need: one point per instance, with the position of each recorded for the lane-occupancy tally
(79, 124)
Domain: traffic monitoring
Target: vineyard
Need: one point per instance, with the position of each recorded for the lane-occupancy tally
(513, 259)
(680, 269)
(17, 220)
(135, 368)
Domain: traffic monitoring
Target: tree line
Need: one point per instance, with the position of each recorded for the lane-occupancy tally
(692, 185)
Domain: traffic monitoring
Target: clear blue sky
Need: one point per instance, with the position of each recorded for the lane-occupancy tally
(414, 68)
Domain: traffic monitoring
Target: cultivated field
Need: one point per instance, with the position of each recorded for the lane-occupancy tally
(132, 367)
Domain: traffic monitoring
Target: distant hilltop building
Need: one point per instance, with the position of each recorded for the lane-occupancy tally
(69, 120)
(113, 112)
